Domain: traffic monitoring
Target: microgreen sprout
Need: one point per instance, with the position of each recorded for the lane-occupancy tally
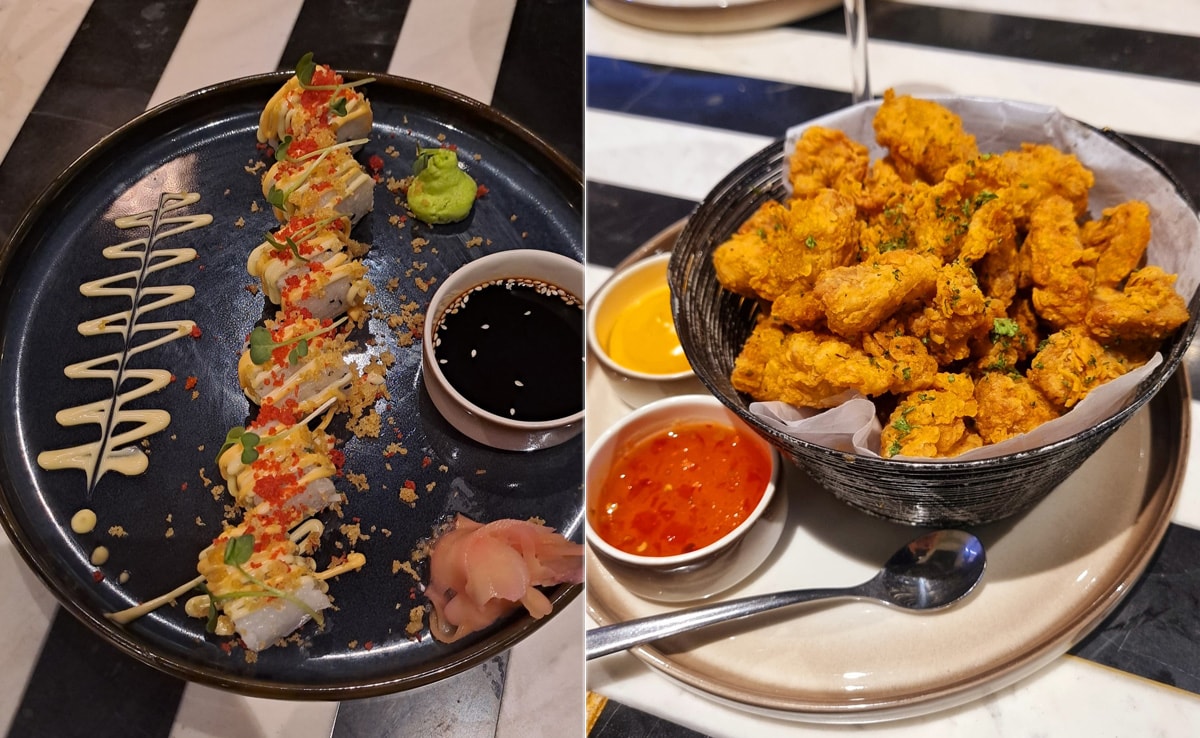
(304, 74)
(287, 245)
(262, 345)
(246, 439)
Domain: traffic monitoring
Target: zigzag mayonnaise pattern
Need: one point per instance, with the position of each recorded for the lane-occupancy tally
(116, 451)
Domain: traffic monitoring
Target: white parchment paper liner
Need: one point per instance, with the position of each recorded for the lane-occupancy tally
(1002, 125)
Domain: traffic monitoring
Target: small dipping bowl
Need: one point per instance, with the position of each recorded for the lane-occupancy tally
(544, 269)
(711, 569)
(611, 314)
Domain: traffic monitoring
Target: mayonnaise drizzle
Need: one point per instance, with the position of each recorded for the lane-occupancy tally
(117, 451)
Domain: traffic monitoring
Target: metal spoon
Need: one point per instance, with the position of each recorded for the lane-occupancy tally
(930, 572)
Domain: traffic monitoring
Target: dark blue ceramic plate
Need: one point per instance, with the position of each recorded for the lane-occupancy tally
(155, 523)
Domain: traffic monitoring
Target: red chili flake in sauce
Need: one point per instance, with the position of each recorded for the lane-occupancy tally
(375, 161)
(190, 383)
(426, 462)
(680, 489)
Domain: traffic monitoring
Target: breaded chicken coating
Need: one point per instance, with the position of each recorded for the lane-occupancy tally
(1148, 308)
(1119, 239)
(1009, 405)
(957, 315)
(1057, 260)
(922, 137)
(1023, 178)
(825, 158)
(858, 298)
(1012, 339)
(786, 246)
(1072, 363)
(810, 369)
(938, 421)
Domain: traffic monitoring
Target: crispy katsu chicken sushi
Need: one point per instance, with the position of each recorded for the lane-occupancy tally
(327, 286)
(319, 178)
(315, 97)
(292, 247)
(286, 467)
(259, 579)
(296, 362)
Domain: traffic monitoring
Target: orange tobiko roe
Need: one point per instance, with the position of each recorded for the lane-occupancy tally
(680, 489)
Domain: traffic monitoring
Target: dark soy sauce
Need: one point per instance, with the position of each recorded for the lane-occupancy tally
(514, 347)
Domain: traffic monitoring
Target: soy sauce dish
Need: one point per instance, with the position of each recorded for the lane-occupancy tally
(682, 500)
(503, 356)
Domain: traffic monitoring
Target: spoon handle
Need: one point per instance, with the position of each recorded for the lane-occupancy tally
(620, 636)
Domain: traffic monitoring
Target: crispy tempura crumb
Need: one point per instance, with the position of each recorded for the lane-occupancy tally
(359, 481)
(117, 531)
(353, 533)
(416, 621)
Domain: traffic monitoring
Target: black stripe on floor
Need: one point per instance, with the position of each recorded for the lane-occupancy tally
(621, 86)
(545, 43)
(620, 219)
(1153, 632)
(345, 34)
(1127, 50)
(743, 104)
(83, 100)
(83, 687)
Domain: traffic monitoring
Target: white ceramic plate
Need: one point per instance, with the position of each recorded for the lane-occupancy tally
(1053, 574)
(711, 16)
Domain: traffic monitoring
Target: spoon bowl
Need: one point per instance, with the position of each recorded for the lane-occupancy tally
(928, 573)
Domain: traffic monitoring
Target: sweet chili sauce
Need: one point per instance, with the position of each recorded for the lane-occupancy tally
(680, 489)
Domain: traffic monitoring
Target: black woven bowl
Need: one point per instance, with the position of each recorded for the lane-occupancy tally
(714, 323)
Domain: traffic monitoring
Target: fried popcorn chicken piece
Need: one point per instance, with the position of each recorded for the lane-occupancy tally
(782, 246)
(858, 298)
(825, 158)
(882, 185)
(1119, 238)
(990, 229)
(957, 315)
(800, 308)
(1009, 405)
(1012, 339)
(931, 219)
(1024, 178)
(1057, 260)
(811, 369)
(1072, 363)
(923, 138)
(999, 268)
(1148, 308)
(917, 367)
(934, 422)
(743, 257)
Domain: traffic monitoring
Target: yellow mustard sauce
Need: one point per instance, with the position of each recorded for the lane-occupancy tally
(643, 337)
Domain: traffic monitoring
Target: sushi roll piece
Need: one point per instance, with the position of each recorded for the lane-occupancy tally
(327, 286)
(315, 97)
(296, 362)
(300, 240)
(324, 181)
(287, 468)
(261, 582)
